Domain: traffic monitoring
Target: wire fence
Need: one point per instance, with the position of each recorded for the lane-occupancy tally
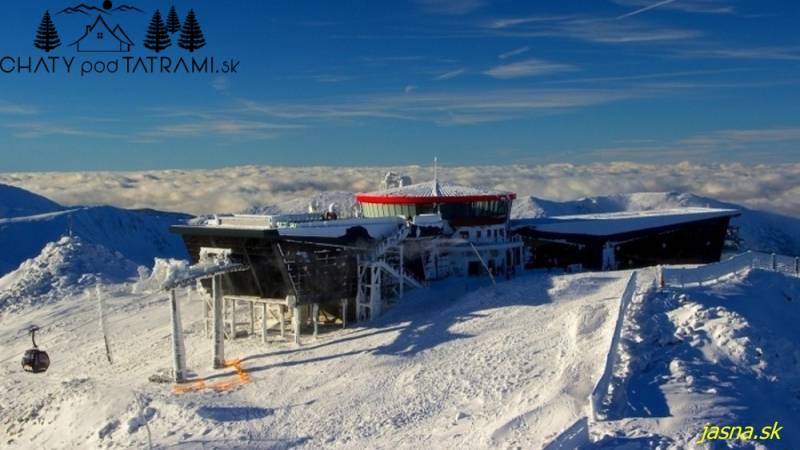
(710, 273)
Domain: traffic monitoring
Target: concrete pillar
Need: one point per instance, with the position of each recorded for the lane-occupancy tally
(296, 317)
(344, 312)
(315, 318)
(218, 322)
(178, 352)
(282, 319)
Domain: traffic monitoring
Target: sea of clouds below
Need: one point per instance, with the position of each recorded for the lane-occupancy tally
(234, 189)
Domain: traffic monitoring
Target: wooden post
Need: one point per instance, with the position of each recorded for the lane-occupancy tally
(101, 308)
(264, 323)
(774, 263)
(178, 354)
(797, 266)
(252, 319)
(219, 322)
(315, 318)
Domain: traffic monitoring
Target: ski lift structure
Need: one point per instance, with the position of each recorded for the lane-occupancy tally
(35, 360)
(213, 263)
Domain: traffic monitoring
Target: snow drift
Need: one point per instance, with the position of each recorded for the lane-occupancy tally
(64, 267)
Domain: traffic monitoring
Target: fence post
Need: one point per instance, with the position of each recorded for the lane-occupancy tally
(774, 263)
(660, 276)
(797, 265)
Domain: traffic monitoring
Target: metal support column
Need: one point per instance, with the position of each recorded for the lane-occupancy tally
(264, 322)
(178, 352)
(252, 319)
(219, 323)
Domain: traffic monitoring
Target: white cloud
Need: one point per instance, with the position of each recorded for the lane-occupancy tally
(515, 52)
(646, 8)
(528, 68)
(690, 6)
(451, 74)
(15, 109)
(589, 29)
(772, 187)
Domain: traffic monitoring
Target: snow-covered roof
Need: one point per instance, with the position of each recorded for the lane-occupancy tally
(608, 224)
(433, 190)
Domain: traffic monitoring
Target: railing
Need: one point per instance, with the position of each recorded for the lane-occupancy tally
(679, 277)
(612, 355)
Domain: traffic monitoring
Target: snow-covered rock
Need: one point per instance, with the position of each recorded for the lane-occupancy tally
(63, 267)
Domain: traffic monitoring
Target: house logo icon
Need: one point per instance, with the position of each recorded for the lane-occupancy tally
(100, 37)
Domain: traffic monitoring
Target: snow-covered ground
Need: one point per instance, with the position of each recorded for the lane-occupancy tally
(726, 354)
(461, 365)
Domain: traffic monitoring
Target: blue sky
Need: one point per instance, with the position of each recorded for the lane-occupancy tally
(395, 83)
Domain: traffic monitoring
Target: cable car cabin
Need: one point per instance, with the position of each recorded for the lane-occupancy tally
(35, 360)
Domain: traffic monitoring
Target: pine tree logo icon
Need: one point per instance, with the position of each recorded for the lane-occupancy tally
(191, 35)
(157, 34)
(47, 36)
(173, 23)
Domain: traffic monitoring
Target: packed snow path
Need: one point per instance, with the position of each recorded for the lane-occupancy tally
(460, 365)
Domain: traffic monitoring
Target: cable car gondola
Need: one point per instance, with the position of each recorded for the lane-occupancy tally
(35, 360)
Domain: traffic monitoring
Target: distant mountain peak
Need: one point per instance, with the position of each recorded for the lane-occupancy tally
(82, 8)
(126, 8)
(85, 9)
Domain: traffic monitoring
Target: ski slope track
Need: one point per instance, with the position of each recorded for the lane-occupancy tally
(457, 366)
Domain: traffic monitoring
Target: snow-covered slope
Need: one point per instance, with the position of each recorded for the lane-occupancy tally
(727, 354)
(63, 267)
(458, 366)
(16, 202)
(140, 235)
(759, 230)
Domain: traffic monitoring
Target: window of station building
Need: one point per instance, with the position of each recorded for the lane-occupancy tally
(478, 234)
